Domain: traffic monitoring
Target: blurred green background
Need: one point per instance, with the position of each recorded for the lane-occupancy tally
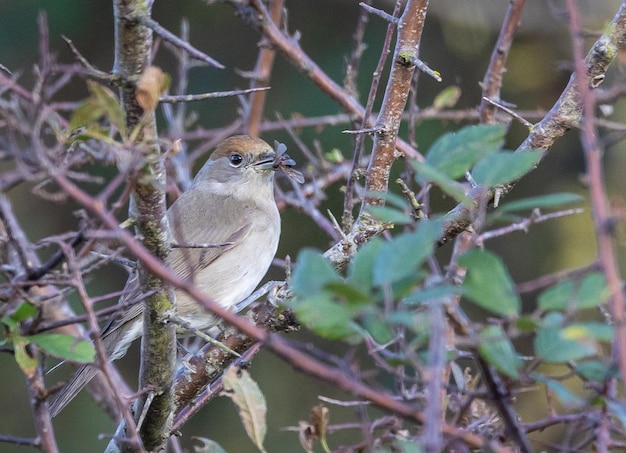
(457, 42)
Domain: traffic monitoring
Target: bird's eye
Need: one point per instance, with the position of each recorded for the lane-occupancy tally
(236, 159)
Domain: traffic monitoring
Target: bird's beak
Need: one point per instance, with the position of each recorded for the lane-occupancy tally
(272, 161)
(266, 161)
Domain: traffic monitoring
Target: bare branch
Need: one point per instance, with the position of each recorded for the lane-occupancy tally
(497, 65)
(176, 41)
(262, 72)
(148, 207)
(168, 99)
(588, 71)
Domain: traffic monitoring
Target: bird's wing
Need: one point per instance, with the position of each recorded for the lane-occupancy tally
(214, 233)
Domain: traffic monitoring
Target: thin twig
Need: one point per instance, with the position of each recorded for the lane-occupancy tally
(535, 217)
(492, 82)
(380, 13)
(174, 99)
(511, 112)
(176, 41)
(92, 71)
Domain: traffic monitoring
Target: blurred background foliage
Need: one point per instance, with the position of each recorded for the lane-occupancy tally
(457, 42)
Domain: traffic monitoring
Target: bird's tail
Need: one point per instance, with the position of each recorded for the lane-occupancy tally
(75, 384)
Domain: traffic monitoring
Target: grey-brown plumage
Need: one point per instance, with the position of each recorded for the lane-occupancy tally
(231, 202)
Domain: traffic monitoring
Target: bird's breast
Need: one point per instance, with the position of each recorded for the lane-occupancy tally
(236, 273)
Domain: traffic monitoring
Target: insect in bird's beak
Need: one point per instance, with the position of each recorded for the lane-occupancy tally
(285, 163)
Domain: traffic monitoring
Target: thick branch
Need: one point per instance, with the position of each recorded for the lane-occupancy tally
(410, 28)
(132, 57)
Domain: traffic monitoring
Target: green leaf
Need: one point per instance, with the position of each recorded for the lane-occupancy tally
(360, 270)
(334, 156)
(553, 346)
(558, 297)
(102, 102)
(504, 167)
(424, 295)
(588, 293)
(377, 328)
(542, 202)
(64, 347)
(454, 153)
(352, 294)
(390, 215)
(526, 324)
(415, 320)
(595, 370)
(488, 283)
(592, 291)
(24, 311)
(497, 349)
(250, 402)
(584, 331)
(10, 323)
(106, 99)
(568, 398)
(327, 319)
(447, 185)
(403, 255)
(86, 113)
(312, 273)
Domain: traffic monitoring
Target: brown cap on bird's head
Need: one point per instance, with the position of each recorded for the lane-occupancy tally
(240, 144)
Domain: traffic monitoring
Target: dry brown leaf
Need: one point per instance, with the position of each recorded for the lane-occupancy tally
(152, 84)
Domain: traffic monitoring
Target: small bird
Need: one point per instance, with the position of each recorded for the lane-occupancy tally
(230, 204)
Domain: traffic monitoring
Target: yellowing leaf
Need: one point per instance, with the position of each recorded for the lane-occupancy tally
(447, 98)
(26, 362)
(250, 401)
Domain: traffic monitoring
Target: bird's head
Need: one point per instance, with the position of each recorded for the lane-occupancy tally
(242, 159)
